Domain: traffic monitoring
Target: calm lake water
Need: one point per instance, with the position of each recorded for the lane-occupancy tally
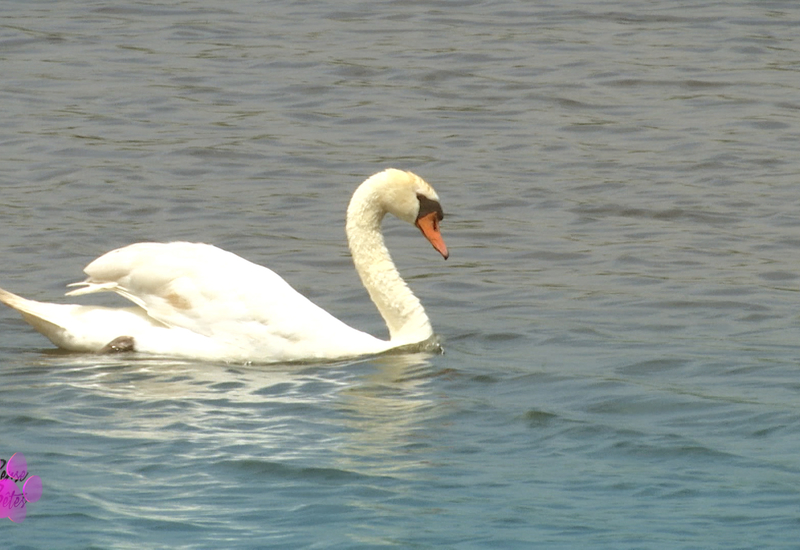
(619, 312)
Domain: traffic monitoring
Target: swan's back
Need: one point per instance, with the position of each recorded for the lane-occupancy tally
(222, 296)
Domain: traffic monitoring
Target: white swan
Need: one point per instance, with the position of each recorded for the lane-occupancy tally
(198, 301)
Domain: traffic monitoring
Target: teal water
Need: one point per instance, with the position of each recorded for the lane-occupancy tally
(619, 311)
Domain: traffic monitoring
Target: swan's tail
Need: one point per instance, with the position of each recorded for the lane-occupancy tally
(71, 326)
(44, 317)
(81, 328)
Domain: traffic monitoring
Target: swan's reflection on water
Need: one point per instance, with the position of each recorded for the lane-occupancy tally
(386, 416)
(367, 417)
(230, 448)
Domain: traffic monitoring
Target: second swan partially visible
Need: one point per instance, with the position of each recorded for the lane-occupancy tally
(198, 301)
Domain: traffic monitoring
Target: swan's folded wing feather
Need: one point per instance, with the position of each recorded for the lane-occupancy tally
(208, 291)
(87, 287)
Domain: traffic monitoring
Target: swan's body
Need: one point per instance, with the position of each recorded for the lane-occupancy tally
(197, 301)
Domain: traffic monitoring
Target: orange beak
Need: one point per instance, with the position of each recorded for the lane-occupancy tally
(429, 225)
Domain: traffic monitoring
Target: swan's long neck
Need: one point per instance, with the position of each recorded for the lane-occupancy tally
(398, 306)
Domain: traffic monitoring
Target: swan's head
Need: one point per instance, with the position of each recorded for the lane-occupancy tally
(413, 200)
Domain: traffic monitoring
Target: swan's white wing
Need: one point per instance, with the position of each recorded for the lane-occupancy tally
(189, 285)
(246, 307)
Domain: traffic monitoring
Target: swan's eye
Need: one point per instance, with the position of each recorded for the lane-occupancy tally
(427, 206)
